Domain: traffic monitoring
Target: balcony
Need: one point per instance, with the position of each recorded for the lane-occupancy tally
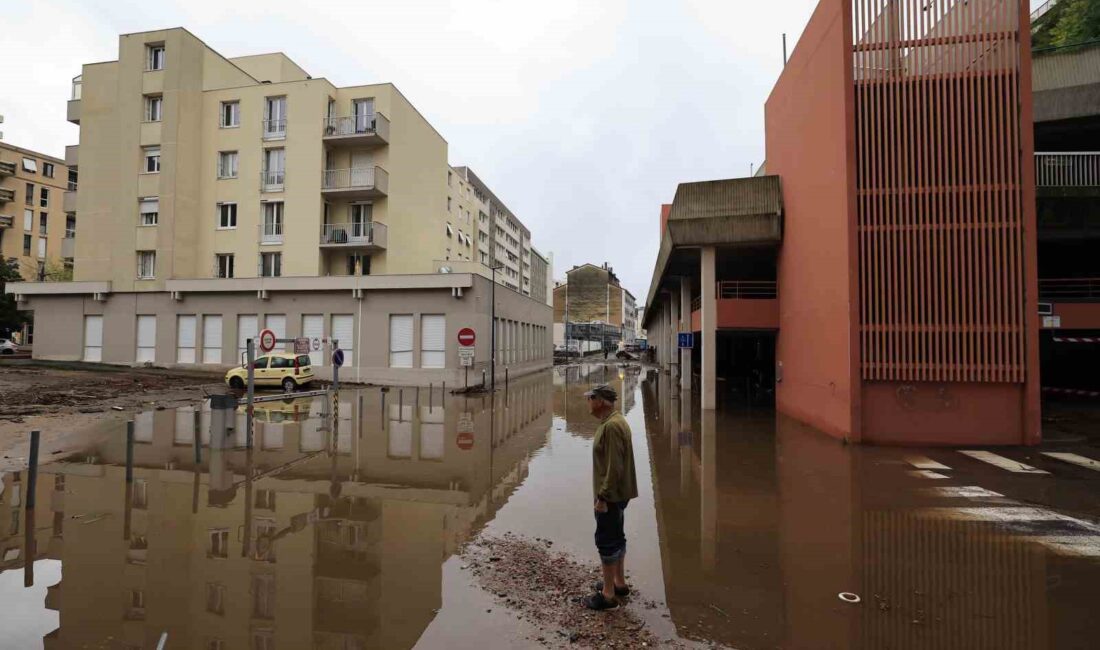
(68, 201)
(742, 304)
(7, 221)
(357, 130)
(7, 169)
(68, 245)
(369, 235)
(71, 152)
(271, 233)
(73, 110)
(357, 183)
(6, 195)
(272, 180)
(1067, 173)
(1069, 290)
(275, 129)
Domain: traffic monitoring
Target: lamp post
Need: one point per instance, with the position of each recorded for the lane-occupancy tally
(493, 325)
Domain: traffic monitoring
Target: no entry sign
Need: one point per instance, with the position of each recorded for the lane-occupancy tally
(466, 337)
(465, 441)
(267, 340)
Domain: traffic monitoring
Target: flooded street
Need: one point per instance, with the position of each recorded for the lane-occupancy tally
(345, 528)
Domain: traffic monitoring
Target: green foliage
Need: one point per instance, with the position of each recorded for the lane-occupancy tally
(1068, 22)
(10, 317)
(58, 272)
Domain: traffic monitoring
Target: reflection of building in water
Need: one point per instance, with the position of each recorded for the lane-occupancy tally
(571, 382)
(767, 521)
(13, 522)
(288, 545)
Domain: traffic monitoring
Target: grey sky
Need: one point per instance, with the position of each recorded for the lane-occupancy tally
(582, 115)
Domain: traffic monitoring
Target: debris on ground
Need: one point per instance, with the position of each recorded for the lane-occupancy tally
(38, 391)
(546, 588)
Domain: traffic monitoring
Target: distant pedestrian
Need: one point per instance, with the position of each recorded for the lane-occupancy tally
(613, 485)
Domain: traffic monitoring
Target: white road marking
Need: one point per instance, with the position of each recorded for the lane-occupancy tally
(1007, 514)
(924, 462)
(1082, 546)
(1075, 459)
(1003, 463)
(967, 491)
(924, 473)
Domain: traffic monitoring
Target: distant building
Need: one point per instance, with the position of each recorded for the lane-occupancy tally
(592, 305)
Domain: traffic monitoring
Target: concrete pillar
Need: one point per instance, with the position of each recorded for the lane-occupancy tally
(709, 327)
(708, 490)
(674, 319)
(685, 326)
(670, 334)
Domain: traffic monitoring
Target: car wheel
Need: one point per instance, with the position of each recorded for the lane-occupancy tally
(289, 385)
(237, 383)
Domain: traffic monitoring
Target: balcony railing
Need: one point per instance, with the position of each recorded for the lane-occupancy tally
(7, 168)
(1067, 169)
(372, 127)
(363, 234)
(741, 290)
(1067, 289)
(369, 180)
(6, 195)
(77, 87)
(275, 129)
(271, 233)
(272, 180)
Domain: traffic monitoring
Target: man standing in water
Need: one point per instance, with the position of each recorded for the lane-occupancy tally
(614, 485)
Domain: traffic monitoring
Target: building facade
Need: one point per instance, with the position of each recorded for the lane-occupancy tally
(37, 213)
(883, 270)
(244, 193)
(593, 306)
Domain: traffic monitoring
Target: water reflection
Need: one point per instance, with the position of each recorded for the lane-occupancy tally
(329, 533)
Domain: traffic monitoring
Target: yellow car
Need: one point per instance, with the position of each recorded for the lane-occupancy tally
(275, 369)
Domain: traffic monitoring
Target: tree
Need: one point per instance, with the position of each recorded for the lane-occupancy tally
(11, 318)
(1067, 22)
(58, 272)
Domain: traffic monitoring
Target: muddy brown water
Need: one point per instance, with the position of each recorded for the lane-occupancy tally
(346, 531)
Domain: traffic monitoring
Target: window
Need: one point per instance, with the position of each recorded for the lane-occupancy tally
(41, 254)
(227, 164)
(42, 222)
(275, 118)
(215, 598)
(450, 230)
(448, 204)
(154, 107)
(154, 57)
(219, 543)
(271, 265)
(212, 338)
(272, 232)
(343, 331)
(263, 596)
(223, 265)
(358, 264)
(449, 178)
(93, 338)
(72, 180)
(274, 169)
(150, 211)
(185, 339)
(30, 165)
(136, 610)
(152, 160)
(28, 219)
(146, 265)
(231, 114)
(432, 336)
(27, 242)
(140, 494)
(29, 198)
(265, 499)
(47, 169)
(43, 197)
(227, 215)
(248, 327)
(401, 341)
(146, 339)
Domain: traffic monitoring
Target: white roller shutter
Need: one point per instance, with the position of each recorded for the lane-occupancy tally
(277, 323)
(248, 327)
(146, 339)
(313, 327)
(399, 444)
(343, 330)
(433, 328)
(93, 338)
(143, 427)
(211, 339)
(431, 433)
(401, 341)
(185, 337)
(185, 426)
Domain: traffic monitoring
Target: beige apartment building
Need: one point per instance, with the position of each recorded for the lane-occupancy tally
(247, 192)
(37, 212)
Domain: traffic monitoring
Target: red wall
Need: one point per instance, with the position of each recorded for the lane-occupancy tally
(808, 125)
(665, 209)
(744, 313)
(1078, 316)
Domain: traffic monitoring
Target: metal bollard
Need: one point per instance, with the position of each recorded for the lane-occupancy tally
(129, 451)
(32, 469)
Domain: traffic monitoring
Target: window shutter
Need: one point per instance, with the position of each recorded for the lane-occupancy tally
(186, 337)
(248, 327)
(146, 338)
(432, 346)
(212, 339)
(401, 341)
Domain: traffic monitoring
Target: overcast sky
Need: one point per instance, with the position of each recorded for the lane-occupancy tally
(582, 115)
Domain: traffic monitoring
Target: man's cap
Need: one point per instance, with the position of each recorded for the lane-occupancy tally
(604, 392)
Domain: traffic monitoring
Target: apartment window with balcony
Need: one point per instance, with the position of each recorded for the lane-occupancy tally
(219, 543)
(223, 265)
(30, 165)
(274, 169)
(70, 226)
(231, 115)
(154, 107)
(154, 56)
(215, 598)
(227, 216)
(42, 221)
(146, 265)
(27, 243)
(43, 197)
(227, 164)
(275, 118)
(29, 198)
(47, 169)
(152, 160)
(271, 265)
(72, 180)
(272, 227)
(149, 209)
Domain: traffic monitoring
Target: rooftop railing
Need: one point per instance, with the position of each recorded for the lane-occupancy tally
(1067, 169)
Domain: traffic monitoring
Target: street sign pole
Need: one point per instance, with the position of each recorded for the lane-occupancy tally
(336, 367)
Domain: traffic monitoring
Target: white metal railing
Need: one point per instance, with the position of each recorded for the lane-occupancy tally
(1043, 8)
(342, 179)
(71, 186)
(364, 232)
(7, 168)
(274, 129)
(368, 124)
(1067, 169)
(272, 180)
(70, 233)
(78, 87)
(271, 233)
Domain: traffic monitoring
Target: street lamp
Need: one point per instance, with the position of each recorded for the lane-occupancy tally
(493, 325)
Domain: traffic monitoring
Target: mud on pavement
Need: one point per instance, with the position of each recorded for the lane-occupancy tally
(545, 587)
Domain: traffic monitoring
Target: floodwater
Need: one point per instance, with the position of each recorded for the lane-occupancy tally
(341, 529)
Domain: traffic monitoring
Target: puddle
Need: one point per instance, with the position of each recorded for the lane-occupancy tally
(344, 528)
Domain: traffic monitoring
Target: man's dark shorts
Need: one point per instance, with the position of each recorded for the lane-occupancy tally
(610, 538)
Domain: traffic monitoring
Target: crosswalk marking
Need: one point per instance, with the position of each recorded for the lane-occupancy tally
(924, 462)
(1003, 463)
(965, 491)
(926, 473)
(1074, 458)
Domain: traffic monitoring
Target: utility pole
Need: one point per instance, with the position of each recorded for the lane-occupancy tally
(493, 324)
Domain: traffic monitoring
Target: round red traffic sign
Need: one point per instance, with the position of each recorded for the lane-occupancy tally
(267, 340)
(466, 336)
(465, 441)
